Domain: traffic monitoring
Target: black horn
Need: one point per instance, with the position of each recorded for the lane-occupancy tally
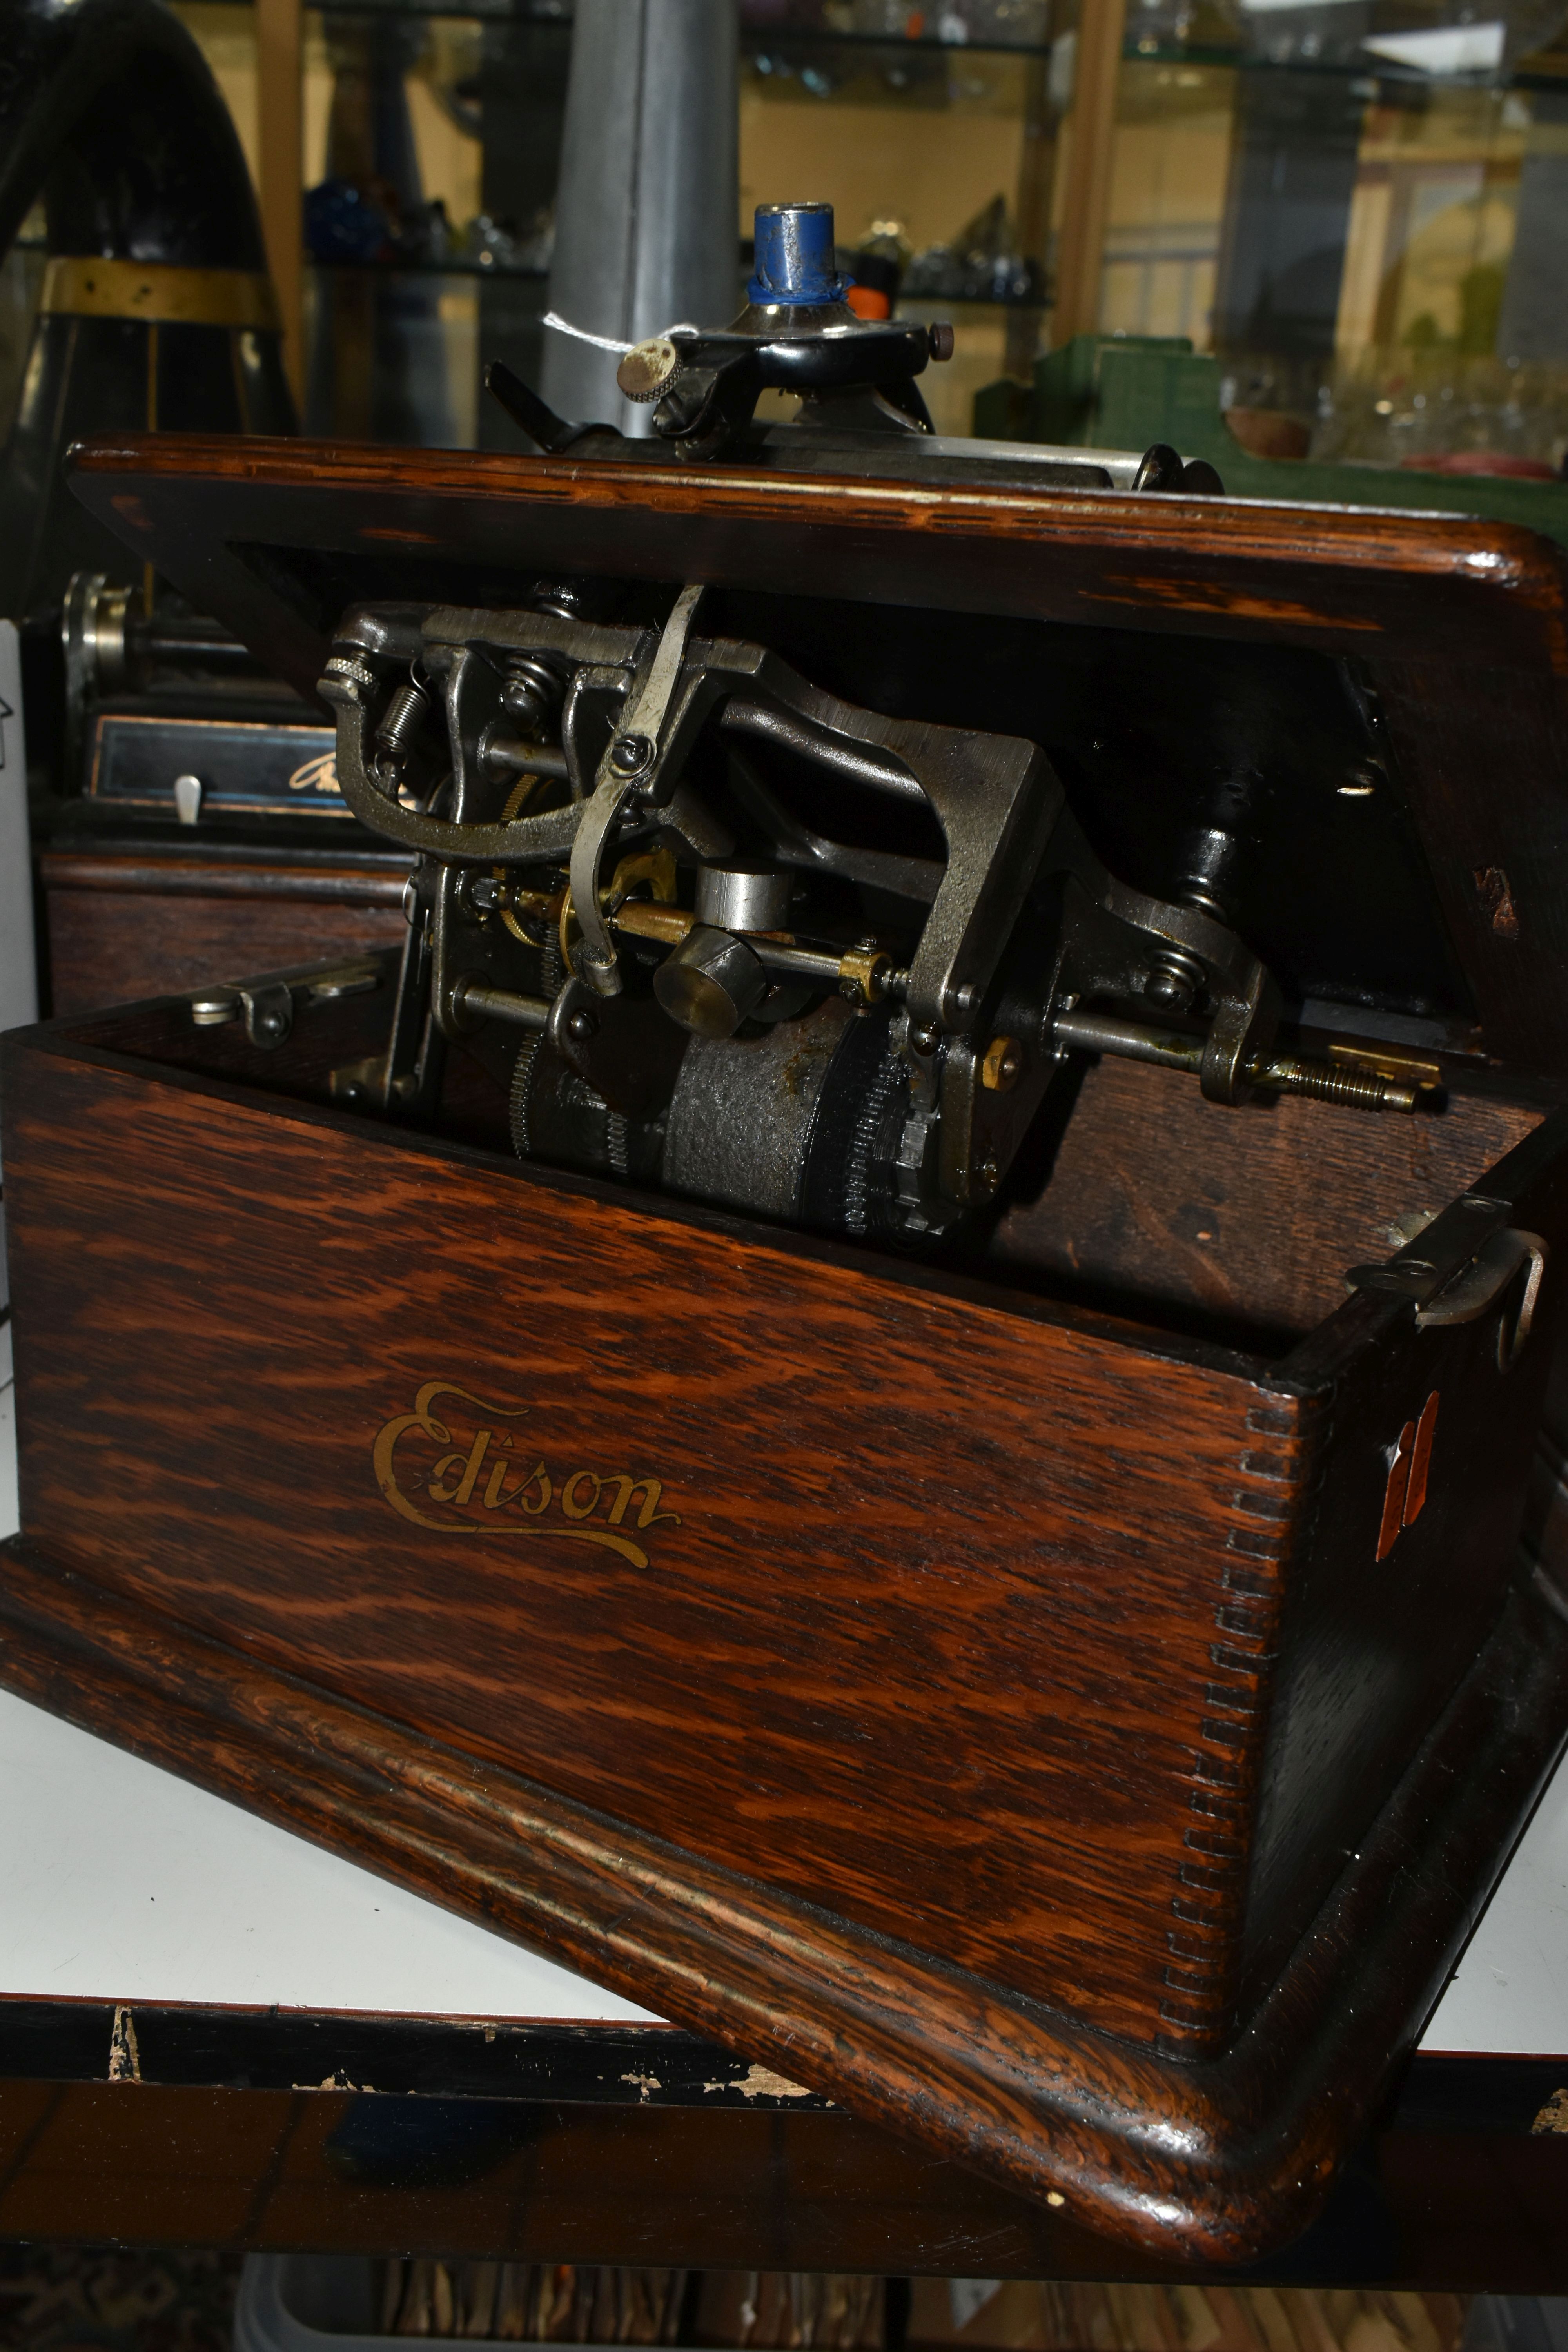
(156, 311)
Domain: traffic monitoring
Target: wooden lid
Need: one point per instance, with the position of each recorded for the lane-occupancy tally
(1200, 653)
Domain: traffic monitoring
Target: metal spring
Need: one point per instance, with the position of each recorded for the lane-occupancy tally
(531, 689)
(517, 1100)
(400, 722)
(1360, 1089)
(1174, 977)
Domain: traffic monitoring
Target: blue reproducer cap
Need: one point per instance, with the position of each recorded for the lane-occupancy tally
(794, 255)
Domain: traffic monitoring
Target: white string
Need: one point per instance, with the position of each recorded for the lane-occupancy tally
(608, 342)
(564, 327)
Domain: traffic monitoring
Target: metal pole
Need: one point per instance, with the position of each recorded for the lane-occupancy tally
(646, 226)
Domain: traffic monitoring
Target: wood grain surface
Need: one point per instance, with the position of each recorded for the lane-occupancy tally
(904, 1529)
(1192, 2164)
(1339, 1656)
(971, 1721)
(1487, 775)
(880, 1648)
(1018, 1714)
(1193, 1213)
(374, 880)
(108, 947)
(1392, 584)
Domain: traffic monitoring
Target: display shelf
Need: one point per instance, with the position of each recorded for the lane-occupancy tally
(401, 265)
(504, 11)
(1370, 69)
(1373, 72)
(757, 39)
(396, 266)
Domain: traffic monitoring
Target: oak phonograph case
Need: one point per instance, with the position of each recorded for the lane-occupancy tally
(883, 1388)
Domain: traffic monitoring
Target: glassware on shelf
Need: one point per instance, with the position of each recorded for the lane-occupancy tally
(1331, 33)
(891, 17)
(424, 234)
(344, 225)
(1154, 27)
(875, 268)
(1447, 414)
(501, 244)
(358, 227)
(378, 350)
(1025, 22)
(983, 263)
(1441, 38)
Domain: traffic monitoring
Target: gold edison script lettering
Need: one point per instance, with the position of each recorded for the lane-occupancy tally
(317, 775)
(515, 1492)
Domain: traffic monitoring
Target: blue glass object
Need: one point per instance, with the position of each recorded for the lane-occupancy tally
(794, 255)
(341, 224)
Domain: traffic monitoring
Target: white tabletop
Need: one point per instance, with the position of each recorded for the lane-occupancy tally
(123, 1882)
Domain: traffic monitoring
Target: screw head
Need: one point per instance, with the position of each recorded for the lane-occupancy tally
(649, 369)
(923, 1038)
(1169, 989)
(630, 755)
(582, 1025)
(270, 1024)
(1003, 1065)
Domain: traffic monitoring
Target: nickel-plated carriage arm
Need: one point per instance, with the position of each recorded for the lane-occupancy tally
(640, 765)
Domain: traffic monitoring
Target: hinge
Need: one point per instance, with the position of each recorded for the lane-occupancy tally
(1461, 1266)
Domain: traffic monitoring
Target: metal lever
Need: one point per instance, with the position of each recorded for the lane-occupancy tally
(630, 763)
(267, 1006)
(1477, 1288)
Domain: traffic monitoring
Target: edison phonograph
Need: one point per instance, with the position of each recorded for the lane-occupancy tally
(884, 1384)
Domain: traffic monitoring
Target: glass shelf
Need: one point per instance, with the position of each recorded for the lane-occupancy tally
(759, 42)
(1374, 249)
(1373, 70)
(396, 266)
(399, 266)
(493, 12)
(756, 41)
